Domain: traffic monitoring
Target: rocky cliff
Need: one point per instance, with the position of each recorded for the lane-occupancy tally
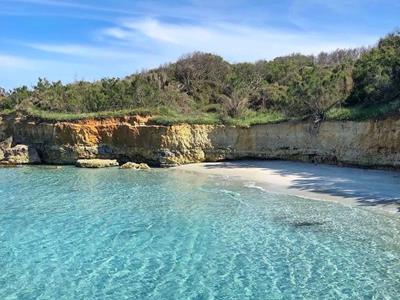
(367, 143)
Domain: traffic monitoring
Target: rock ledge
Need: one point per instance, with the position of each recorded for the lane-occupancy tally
(135, 166)
(96, 163)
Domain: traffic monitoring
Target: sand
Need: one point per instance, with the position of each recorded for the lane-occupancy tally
(374, 189)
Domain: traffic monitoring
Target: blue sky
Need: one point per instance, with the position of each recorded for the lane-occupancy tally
(72, 40)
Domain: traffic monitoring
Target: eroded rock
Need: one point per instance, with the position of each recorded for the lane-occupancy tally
(22, 154)
(135, 166)
(6, 144)
(371, 143)
(96, 163)
(19, 154)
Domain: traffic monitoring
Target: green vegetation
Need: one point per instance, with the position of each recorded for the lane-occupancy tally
(360, 113)
(202, 88)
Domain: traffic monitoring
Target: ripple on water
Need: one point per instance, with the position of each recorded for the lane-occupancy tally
(106, 234)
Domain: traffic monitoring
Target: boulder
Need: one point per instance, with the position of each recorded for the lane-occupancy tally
(96, 163)
(135, 166)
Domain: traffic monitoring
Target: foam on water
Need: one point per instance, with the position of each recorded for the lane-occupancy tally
(115, 234)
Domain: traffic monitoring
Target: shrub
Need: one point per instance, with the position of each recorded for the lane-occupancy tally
(236, 104)
(377, 74)
(317, 89)
(204, 84)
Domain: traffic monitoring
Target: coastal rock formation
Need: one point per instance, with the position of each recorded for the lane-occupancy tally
(372, 143)
(6, 144)
(96, 163)
(135, 166)
(19, 154)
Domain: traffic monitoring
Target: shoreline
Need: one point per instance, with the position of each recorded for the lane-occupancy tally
(378, 190)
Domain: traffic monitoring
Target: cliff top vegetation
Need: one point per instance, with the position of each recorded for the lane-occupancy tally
(347, 84)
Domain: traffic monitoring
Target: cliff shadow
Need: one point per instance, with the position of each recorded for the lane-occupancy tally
(368, 187)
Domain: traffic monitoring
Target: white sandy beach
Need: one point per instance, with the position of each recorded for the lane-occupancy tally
(349, 186)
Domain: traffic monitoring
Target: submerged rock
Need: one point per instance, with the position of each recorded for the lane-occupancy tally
(96, 163)
(135, 166)
(307, 223)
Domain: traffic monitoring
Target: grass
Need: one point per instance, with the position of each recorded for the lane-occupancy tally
(249, 119)
(360, 113)
(201, 118)
(255, 118)
(58, 116)
(160, 116)
(166, 116)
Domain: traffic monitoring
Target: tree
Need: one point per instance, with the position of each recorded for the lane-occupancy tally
(377, 74)
(316, 90)
(271, 96)
(339, 56)
(201, 75)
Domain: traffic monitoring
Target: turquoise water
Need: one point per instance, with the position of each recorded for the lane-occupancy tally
(163, 234)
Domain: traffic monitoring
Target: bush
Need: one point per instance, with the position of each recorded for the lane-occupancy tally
(205, 85)
(318, 89)
(201, 75)
(235, 105)
(377, 74)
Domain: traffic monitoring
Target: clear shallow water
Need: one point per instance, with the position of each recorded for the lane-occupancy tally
(116, 234)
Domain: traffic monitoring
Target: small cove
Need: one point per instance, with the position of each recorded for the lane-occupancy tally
(161, 234)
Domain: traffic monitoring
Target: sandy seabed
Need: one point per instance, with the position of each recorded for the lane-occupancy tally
(376, 189)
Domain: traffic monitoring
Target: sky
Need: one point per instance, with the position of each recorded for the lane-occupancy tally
(72, 40)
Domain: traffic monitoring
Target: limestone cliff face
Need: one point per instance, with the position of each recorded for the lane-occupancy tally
(367, 143)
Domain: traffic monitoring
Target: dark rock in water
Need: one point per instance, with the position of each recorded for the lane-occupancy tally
(307, 224)
(289, 221)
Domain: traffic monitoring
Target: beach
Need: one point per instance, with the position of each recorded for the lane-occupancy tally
(370, 189)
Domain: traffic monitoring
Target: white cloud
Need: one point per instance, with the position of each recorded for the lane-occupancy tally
(234, 42)
(171, 33)
(90, 52)
(74, 5)
(10, 61)
(117, 33)
(144, 39)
